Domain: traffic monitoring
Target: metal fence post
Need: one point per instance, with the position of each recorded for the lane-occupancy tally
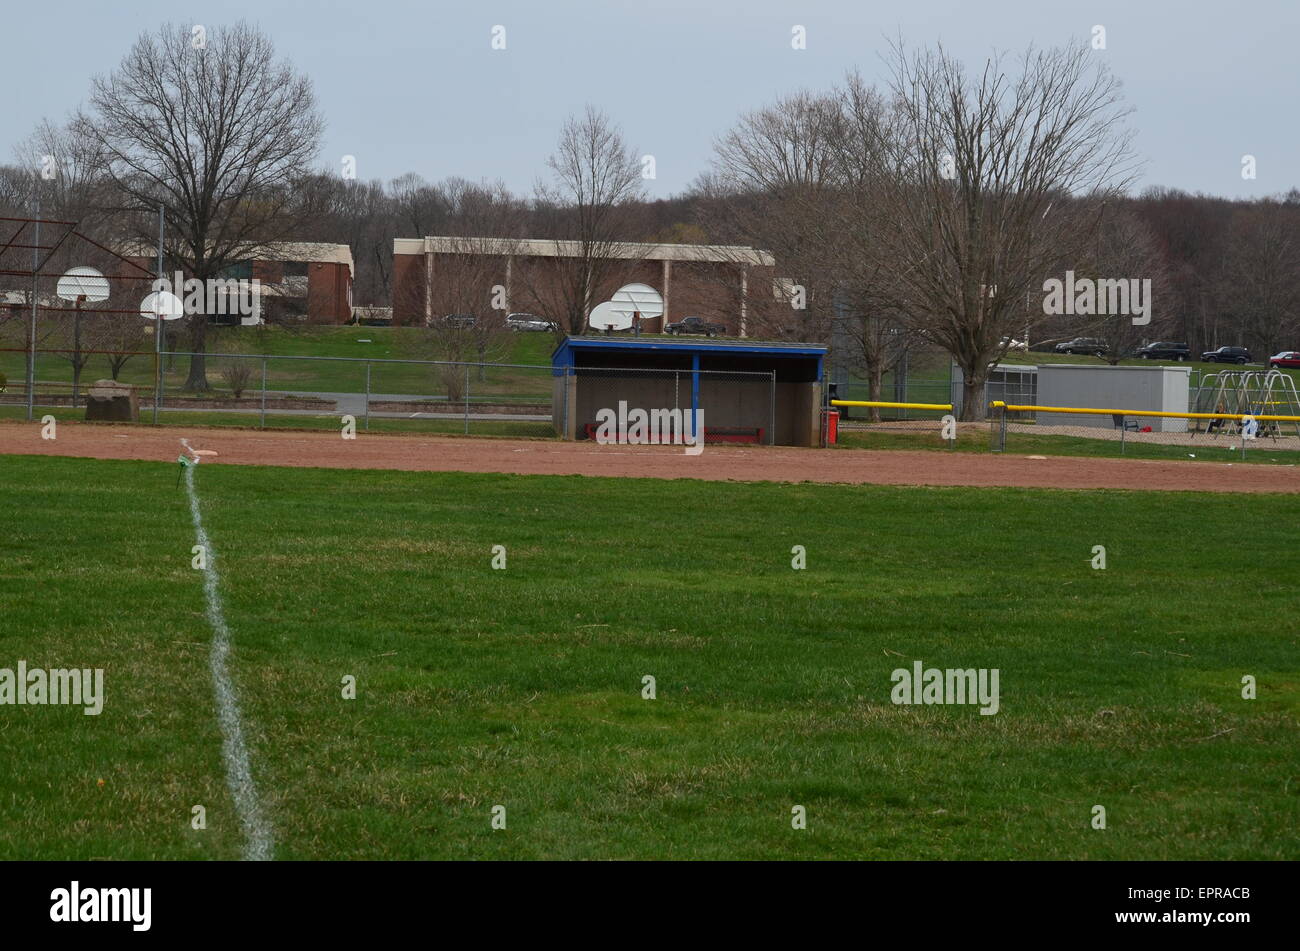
(158, 390)
(570, 393)
(564, 404)
(771, 412)
(465, 397)
(998, 429)
(367, 396)
(31, 352)
(263, 422)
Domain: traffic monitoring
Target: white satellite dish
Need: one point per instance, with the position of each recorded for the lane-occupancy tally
(606, 316)
(165, 305)
(640, 299)
(83, 283)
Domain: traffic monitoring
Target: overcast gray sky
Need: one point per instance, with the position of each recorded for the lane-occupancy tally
(414, 85)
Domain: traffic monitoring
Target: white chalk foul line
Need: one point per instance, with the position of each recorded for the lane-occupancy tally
(239, 774)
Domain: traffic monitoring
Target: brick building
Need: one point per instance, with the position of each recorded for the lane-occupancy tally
(317, 277)
(312, 280)
(437, 276)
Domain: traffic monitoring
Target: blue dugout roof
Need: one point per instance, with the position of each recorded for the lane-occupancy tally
(566, 351)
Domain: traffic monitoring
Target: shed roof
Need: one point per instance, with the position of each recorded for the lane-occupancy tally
(564, 350)
(552, 248)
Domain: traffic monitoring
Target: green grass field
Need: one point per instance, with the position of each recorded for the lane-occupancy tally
(522, 687)
(1208, 449)
(354, 343)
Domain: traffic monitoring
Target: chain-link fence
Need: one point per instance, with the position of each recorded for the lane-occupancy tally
(267, 390)
(733, 406)
(63, 377)
(907, 414)
(1085, 431)
(379, 395)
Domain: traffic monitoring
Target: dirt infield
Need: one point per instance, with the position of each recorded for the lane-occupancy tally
(426, 453)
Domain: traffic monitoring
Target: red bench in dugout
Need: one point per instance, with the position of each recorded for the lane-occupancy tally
(712, 434)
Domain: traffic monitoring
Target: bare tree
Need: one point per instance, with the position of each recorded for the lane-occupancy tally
(63, 176)
(17, 190)
(872, 328)
(67, 175)
(462, 323)
(217, 135)
(597, 177)
(774, 182)
(1125, 250)
(420, 209)
(358, 214)
(980, 162)
(1260, 277)
(122, 338)
(803, 178)
(75, 327)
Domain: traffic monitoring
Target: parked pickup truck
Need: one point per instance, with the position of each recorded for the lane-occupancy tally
(695, 325)
(1226, 355)
(1163, 350)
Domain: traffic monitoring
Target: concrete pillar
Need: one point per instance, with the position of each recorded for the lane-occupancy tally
(744, 298)
(668, 276)
(428, 285)
(510, 266)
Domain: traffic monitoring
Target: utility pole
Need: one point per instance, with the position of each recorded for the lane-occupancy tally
(158, 323)
(31, 340)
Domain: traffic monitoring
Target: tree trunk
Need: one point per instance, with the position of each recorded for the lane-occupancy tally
(875, 383)
(197, 381)
(972, 395)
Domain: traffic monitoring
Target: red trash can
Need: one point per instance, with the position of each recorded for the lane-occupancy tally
(830, 426)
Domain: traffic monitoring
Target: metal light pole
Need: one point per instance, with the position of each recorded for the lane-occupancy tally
(31, 340)
(159, 323)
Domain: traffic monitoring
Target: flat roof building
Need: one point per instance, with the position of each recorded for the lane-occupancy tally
(437, 276)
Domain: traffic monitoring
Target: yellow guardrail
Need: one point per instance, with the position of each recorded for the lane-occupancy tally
(1092, 411)
(883, 404)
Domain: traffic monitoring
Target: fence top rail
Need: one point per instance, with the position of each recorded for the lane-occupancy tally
(288, 356)
(765, 374)
(887, 405)
(1093, 411)
(85, 351)
(681, 371)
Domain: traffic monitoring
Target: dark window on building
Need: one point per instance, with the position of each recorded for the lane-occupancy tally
(295, 268)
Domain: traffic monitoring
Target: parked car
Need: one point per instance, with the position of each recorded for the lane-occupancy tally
(1287, 358)
(1045, 346)
(459, 321)
(1088, 345)
(1164, 351)
(695, 325)
(1227, 355)
(528, 322)
(1011, 343)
